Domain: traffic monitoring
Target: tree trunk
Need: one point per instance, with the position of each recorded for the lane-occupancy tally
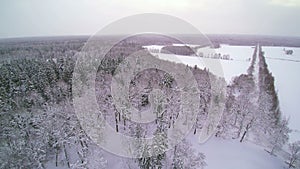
(124, 122)
(66, 156)
(243, 136)
(272, 151)
(247, 129)
(56, 157)
(117, 126)
(240, 130)
(235, 120)
(291, 163)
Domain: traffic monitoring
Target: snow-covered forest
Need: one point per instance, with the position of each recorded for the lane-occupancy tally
(39, 127)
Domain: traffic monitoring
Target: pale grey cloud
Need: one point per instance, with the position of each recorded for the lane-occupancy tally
(289, 3)
(72, 17)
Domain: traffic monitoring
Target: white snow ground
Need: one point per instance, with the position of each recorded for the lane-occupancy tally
(287, 84)
(236, 52)
(231, 154)
(231, 68)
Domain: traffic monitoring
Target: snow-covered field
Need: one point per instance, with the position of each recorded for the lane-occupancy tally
(236, 52)
(231, 68)
(287, 83)
(231, 154)
(279, 54)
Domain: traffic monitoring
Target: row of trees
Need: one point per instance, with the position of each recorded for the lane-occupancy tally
(252, 108)
(252, 111)
(275, 124)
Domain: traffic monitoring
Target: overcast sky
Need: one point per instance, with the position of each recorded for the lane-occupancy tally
(21, 18)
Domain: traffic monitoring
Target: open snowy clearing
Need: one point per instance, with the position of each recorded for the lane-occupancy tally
(231, 154)
(230, 68)
(287, 84)
(241, 53)
(277, 52)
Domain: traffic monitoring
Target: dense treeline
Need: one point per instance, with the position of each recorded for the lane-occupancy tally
(34, 82)
(252, 108)
(40, 49)
(275, 124)
(267, 88)
(178, 50)
(38, 123)
(39, 128)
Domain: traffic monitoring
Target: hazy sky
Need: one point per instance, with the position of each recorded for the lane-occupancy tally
(85, 17)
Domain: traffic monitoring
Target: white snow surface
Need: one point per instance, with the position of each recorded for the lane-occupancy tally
(236, 52)
(229, 68)
(231, 154)
(287, 83)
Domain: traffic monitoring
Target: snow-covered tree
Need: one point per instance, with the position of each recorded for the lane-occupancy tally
(239, 115)
(22, 142)
(95, 158)
(279, 136)
(186, 157)
(294, 153)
